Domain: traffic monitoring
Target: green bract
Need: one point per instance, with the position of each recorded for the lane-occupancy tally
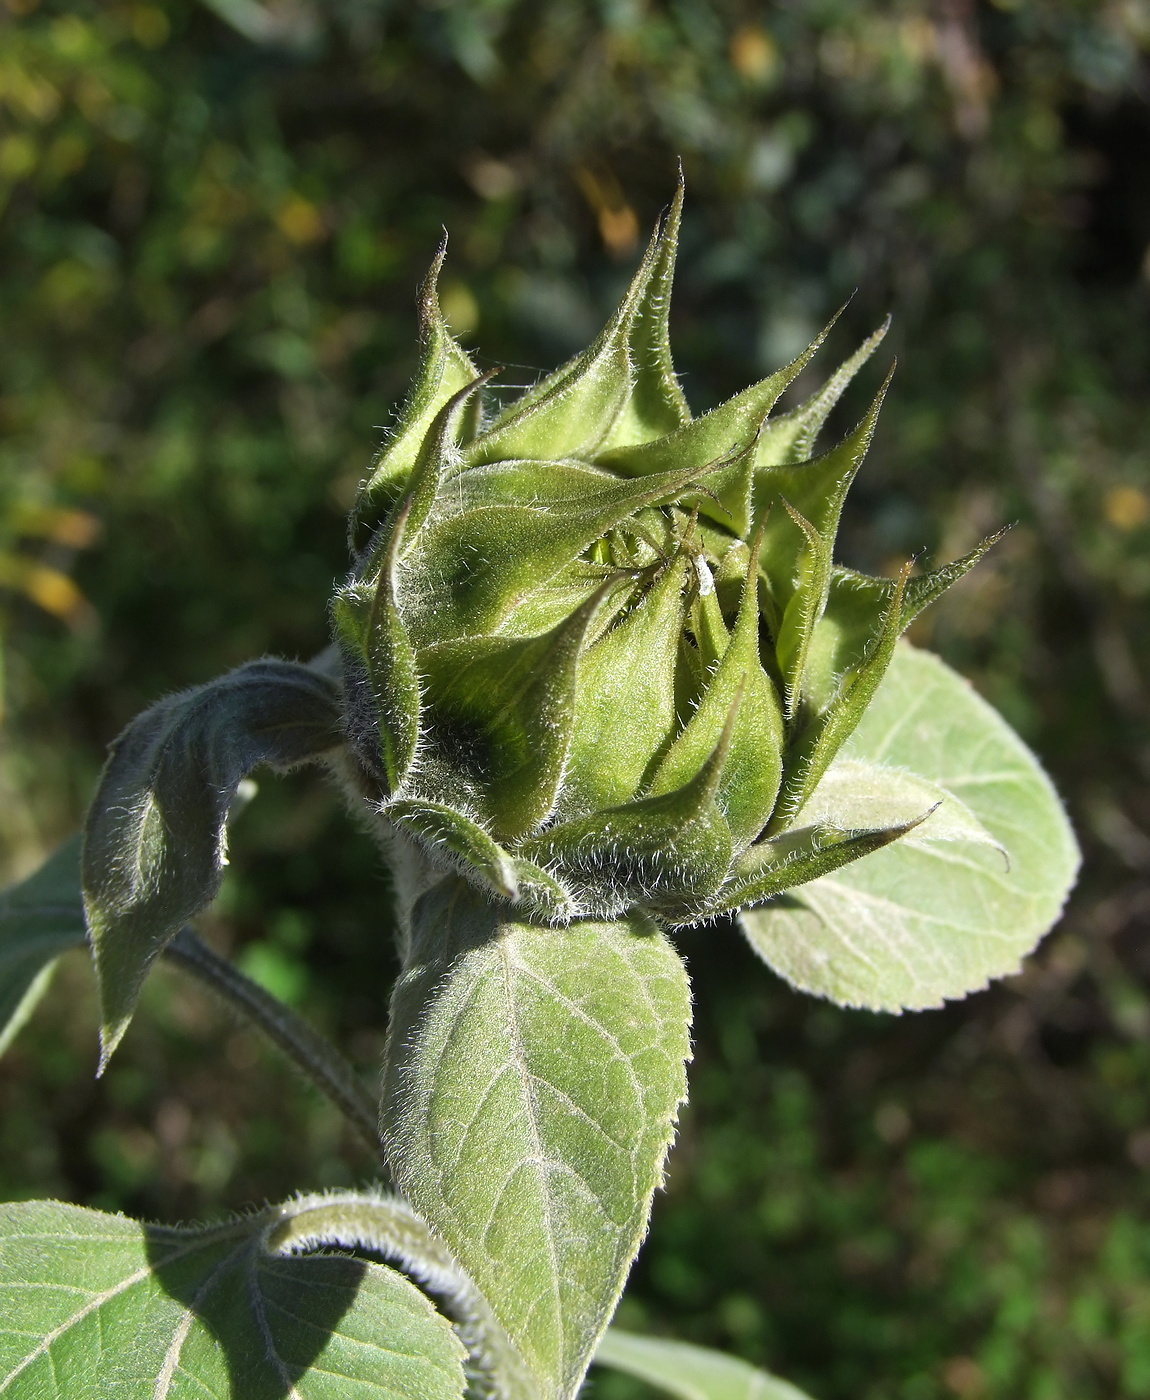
(597, 655)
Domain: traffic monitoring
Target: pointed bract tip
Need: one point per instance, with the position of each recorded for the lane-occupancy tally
(430, 314)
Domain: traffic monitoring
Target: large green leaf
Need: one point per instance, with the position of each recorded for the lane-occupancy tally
(40, 918)
(689, 1372)
(532, 1081)
(154, 844)
(94, 1305)
(944, 910)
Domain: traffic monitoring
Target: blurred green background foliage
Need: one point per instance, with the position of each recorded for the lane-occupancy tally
(214, 218)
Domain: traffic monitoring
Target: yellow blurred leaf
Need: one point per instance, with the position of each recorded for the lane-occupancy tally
(78, 529)
(618, 222)
(150, 26)
(17, 156)
(754, 54)
(300, 220)
(48, 588)
(460, 309)
(1126, 507)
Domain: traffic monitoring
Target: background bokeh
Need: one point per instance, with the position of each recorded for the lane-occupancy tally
(214, 217)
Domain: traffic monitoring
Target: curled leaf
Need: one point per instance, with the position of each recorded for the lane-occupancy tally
(154, 842)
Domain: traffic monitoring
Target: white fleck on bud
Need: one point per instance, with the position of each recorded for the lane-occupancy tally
(706, 578)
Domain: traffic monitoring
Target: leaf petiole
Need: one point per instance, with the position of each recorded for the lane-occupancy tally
(311, 1053)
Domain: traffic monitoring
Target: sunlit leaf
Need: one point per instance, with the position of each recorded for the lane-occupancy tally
(930, 919)
(532, 1082)
(94, 1305)
(690, 1372)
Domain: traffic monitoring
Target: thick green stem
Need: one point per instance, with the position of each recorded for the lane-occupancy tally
(310, 1052)
(388, 1226)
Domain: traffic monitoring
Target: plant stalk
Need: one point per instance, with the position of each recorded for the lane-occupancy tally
(389, 1226)
(311, 1053)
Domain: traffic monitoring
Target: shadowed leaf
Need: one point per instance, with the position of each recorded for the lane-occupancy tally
(154, 843)
(500, 533)
(40, 918)
(500, 714)
(95, 1305)
(750, 777)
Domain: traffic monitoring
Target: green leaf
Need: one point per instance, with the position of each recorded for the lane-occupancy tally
(154, 844)
(802, 854)
(814, 491)
(454, 841)
(389, 1227)
(690, 1372)
(852, 795)
(722, 441)
(654, 852)
(380, 678)
(531, 1086)
(926, 920)
(656, 405)
(854, 609)
(40, 918)
(816, 746)
(444, 370)
(803, 609)
(95, 1305)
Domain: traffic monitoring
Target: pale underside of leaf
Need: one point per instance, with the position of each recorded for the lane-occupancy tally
(533, 1078)
(689, 1372)
(934, 917)
(852, 795)
(95, 1305)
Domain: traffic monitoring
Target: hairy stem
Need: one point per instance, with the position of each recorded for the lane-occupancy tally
(388, 1226)
(310, 1052)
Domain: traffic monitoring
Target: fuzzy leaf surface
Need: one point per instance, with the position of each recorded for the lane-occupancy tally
(533, 1077)
(690, 1372)
(926, 920)
(620, 389)
(40, 918)
(154, 844)
(95, 1305)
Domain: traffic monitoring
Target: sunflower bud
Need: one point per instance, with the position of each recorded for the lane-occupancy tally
(597, 653)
